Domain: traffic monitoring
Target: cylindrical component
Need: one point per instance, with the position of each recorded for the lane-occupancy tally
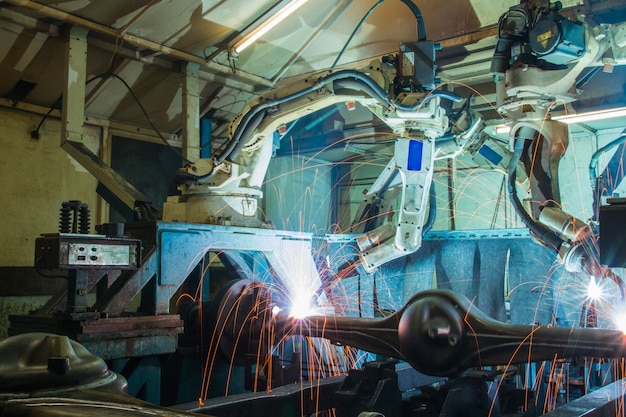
(566, 226)
(65, 218)
(74, 217)
(441, 333)
(84, 219)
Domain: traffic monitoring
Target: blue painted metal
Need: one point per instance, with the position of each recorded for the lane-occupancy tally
(491, 155)
(472, 262)
(416, 151)
(143, 376)
(206, 135)
(181, 246)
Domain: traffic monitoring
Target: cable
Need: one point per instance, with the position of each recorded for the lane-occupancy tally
(421, 28)
(45, 275)
(358, 26)
(35, 133)
(582, 82)
(56, 105)
(52, 276)
(432, 210)
(143, 110)
(350, 79)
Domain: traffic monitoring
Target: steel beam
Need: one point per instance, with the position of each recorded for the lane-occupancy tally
(117, 297)
(74, 85)
(191, 112)
(73, 119)
(122, 189)
(219, 70)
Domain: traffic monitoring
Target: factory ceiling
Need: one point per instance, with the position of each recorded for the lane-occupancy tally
(146, 43)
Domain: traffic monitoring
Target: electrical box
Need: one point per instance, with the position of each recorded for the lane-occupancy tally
(79, 251)
(416, 67)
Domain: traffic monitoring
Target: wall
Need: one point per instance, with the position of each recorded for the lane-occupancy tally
(36, 176)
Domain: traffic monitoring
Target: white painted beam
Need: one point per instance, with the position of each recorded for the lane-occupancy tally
(191, 112)
(74, 85)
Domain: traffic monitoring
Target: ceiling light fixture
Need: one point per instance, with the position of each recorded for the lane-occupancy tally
(501, 129)
(266, 26)
(591, 116)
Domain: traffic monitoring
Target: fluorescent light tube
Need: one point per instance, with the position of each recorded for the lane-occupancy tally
(591, 116)
(268, 25)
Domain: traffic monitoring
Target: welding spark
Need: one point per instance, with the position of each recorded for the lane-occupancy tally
(619, 320)
(301, 306)
(594, 291)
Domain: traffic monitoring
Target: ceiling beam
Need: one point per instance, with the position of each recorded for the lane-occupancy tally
(331, 18)
(210, 66)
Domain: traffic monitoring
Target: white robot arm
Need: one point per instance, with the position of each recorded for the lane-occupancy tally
(538, 61)
(228, 185)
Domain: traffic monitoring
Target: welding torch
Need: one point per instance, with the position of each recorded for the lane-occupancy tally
(441, 333)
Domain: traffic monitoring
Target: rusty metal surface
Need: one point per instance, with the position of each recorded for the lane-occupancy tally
(110, 338)
(304, 398)
(117, 297)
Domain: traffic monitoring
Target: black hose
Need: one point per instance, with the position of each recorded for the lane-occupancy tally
(541, 232)
(432, 210)
(252, 124)
(421, 28)
(236, 144)
(349, 79)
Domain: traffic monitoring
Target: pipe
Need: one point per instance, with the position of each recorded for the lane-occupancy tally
(350, 79)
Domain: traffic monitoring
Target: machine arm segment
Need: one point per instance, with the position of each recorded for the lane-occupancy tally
(231, 181)
(537, 64)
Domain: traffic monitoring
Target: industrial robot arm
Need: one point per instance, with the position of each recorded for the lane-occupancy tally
(230, 182)
(537, 64)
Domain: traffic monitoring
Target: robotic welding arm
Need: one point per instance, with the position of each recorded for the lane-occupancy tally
(230, 182)
(539, 58)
